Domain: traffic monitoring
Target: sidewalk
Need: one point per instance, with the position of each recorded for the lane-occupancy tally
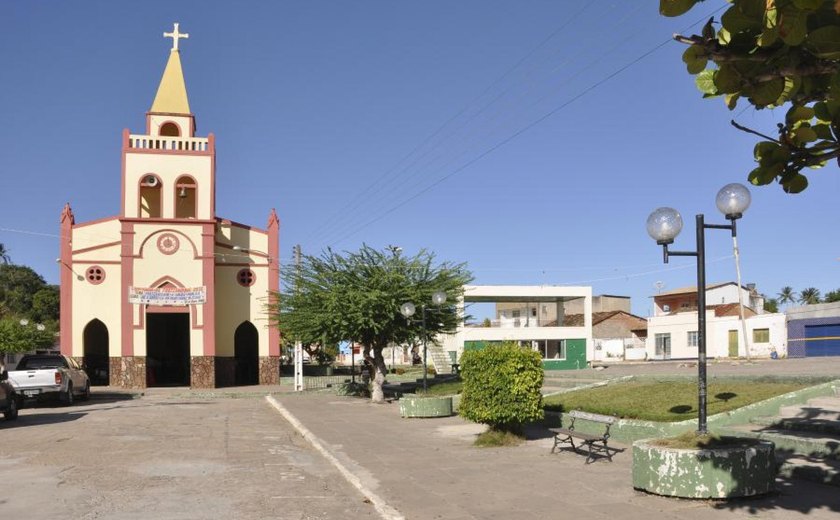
(428, 469)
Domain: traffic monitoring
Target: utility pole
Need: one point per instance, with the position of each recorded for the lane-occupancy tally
(298, 344)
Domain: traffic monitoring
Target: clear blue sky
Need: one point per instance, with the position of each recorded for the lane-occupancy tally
(328, 111)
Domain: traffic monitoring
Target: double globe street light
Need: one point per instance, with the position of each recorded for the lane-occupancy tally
(663, 225)
(408, 309)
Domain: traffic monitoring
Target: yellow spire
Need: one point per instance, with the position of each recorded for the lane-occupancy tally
(172, 93)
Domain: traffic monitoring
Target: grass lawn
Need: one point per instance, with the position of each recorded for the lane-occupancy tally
(448, 388)
(668, 401)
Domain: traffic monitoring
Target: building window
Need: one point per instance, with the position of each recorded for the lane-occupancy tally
(170, 129)
(553, 348)
(693, 338)
(185, 188)
(150, 197)
(515, 313)
(663, 345)
(95, 274)
(684, 305)
(761, 335)
(246, 277)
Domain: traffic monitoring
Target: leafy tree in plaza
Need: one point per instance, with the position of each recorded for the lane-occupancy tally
(771, 305)
(45, 304)
(787, 295)
(773, 53)
(809, 296)
(357, 297)
(832, 296)
(4, 255)
(18, 286)
(17, 336)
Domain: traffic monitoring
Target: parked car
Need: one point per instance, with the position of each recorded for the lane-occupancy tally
(46, 376)
(9, 400)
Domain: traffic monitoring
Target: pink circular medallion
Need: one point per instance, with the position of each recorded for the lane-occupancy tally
(168, 243)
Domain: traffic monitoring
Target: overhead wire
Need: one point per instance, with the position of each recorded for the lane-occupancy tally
(359, 197)
(519, 132)
(482, 131)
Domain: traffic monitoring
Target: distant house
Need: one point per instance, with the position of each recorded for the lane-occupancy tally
(685, 298)
(673, 332)
(534, 316)
(618, 335)
(814, 330)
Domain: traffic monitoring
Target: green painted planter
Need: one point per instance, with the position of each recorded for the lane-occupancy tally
(741, 471)
(414, 406)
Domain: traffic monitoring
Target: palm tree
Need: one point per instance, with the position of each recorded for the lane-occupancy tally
(787, 295)
(4, 255)
(809, 296)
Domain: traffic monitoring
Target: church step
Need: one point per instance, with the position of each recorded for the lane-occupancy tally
(831, 427)
(805, 468)
(819, 445)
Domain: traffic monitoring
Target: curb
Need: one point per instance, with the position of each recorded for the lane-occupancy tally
(385, 511)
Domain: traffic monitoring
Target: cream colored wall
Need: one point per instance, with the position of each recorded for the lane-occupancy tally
(155, 122)
(168, 167)
(101, 301)
(182, 265)
(234, 303)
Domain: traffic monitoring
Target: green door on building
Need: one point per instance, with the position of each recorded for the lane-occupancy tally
(733, 343)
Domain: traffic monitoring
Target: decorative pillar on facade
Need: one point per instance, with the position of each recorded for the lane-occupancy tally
(270, 365)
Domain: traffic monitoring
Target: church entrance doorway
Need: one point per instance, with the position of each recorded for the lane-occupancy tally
(168, 349)
(95, 360)
(246, 354)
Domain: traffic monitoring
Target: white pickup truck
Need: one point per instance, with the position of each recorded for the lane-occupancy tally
(50, 375)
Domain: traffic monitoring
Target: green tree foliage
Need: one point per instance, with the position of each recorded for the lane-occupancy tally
(809, 296)
(787, 295)
(774, 53)
(18, 286)
(18, 337)
(4, 255)
(771, 305)
(832, 296)
(45, 304)
(357, 297)
(502, 386)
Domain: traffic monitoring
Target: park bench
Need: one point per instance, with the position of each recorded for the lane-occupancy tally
(596, 443)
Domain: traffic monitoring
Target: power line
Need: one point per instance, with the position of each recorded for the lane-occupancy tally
(360, 196)
(518, 132)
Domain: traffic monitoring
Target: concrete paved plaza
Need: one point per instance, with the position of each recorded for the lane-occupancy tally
(181, 454)
(166, 456)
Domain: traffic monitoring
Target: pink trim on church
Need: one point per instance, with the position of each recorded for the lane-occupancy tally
(208, 238)
(127, 280)
(273, 278)
(65, 319)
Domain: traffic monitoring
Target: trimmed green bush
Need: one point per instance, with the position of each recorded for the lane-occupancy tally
(502, 386)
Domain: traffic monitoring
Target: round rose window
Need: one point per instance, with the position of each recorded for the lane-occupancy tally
(168, 243)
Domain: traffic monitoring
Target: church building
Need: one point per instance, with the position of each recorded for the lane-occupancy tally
(168, 293)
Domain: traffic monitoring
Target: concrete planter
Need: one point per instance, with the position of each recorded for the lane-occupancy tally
(414, 406)
(737, 471)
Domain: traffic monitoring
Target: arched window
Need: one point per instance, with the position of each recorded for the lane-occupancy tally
(185, 188)
(150, 192)
(170, 129)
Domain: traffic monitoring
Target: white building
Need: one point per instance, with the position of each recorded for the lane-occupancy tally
(562, 347)
(675, 336)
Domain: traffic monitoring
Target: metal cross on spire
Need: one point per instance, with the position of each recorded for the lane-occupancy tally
(175, 35)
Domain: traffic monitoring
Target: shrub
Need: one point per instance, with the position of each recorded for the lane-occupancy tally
(502, 386)
(399, 371)
(430, 370)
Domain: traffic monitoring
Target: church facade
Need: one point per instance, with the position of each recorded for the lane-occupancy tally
(168, 293)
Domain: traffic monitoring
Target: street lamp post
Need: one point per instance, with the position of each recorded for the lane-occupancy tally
(408, 309)
(663, 225)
